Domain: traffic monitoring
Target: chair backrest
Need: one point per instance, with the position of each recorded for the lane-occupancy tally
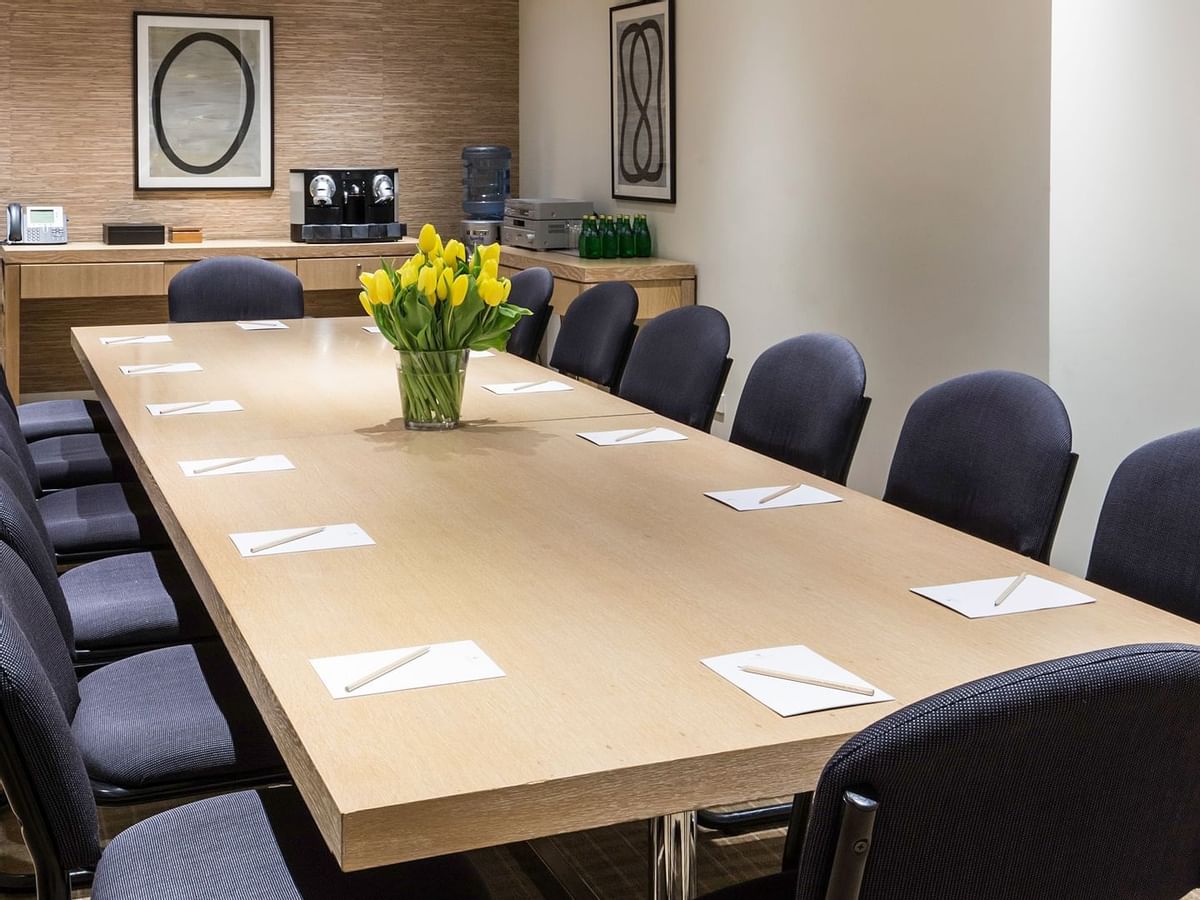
(597, 331)
(43, 772)
(12, 442)
(989, 454)
(531, 288)
(803, 404)
(229, 288)
(1147, 542)
(22, 529)
(5, 393)
(1074, 778)
(678, 365)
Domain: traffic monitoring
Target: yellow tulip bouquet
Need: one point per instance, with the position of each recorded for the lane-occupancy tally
(433, 309)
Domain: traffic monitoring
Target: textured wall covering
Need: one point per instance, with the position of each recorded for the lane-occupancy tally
(354, 85)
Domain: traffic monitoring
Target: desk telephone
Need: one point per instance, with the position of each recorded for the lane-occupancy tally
(35, 225)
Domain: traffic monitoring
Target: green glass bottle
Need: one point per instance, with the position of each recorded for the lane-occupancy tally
(626, 242)
(585, 238)
(612, 248)
(641, 234)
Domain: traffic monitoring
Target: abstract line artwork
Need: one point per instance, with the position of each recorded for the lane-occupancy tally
(643, 101)
(204, 110)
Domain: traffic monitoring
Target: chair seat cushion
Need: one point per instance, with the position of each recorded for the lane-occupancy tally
(133, 600)
(50, 418)
(100, 517)
(780, 886)
(72, 460)
(258, 846)
(167, 716)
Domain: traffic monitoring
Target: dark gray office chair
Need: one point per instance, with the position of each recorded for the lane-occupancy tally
(596, 334)
(245, 844)
(86, 522)
(1147, 542)
(1074, 779)
(51, 418)
(803, 404)
(532, 289)
(232, 288)
(989, 454)
(165, 723)
(112, 607)
(678, 365)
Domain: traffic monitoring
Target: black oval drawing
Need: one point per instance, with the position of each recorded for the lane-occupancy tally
(648, 167)
(156, 102)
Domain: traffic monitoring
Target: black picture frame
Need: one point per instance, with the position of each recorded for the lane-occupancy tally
(642, 137)
(150, 141)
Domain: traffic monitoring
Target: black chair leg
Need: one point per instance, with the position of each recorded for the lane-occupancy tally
(740, 821)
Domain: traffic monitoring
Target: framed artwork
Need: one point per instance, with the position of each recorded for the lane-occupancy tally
(203, 102)
(642, 69)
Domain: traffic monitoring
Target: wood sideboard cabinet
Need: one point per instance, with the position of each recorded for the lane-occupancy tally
(46, 290)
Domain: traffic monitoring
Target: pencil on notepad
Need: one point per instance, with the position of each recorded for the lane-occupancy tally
(390, 667)
(634, 434)
(270, 322)
(223, 465)
(775, 495)
(125, 340)
(148, 368)
(815, 682)
(1007, 592)
(182, 406)
(532, 384)
(287, 539)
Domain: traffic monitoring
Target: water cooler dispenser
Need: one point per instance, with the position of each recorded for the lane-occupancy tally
(486, 185)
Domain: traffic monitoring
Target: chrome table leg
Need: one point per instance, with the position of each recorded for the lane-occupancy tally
(673, 857)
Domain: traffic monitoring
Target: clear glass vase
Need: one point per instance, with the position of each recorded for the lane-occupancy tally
(431, 387)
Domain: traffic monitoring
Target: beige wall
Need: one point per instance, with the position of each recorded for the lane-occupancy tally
(1125, 268)
(874, 168)
(358, 82)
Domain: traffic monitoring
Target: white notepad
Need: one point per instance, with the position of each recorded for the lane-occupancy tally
(333, 537)
(481, 354)
(138, 339)
(372, 329)
(262, 325)
(528, 387)
(161, 368)
(748, 500)
(791, 698)
(450, 663)
(613, 438)
(274, 463)
(977, 599)
(184, 407)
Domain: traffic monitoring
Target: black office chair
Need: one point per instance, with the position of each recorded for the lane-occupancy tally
(165, 723)
(245, 844)
(1073, 779)
(989, 454)
(803, 404)
(52, 418)
(596, 334)
(678, 365)
(233, 288)
(112, 607)
(1147, 542)
(532, 289)
(83, 523)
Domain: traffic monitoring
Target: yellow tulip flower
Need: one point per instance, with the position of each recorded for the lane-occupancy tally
(418, 260)
(367, 280)
(507, 288)
(492, 291)
(366, 302)
(458, 292)
(438, 249)
(428, 239)
(491, 269)
(490, 252)
(427, 282)
(384, 290)
(454, 253)
(408, 275)
(445, 284)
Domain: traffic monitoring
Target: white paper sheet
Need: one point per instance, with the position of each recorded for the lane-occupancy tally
(748, 500)
(791, 698)
(449, 663)
(372, 329)
(274, 463)
(334, 537)
(528, 387)
(161, 368)
(481, 354)
(137, 339)
(977, 599)
(178, 408)
(612, 438)
(262, 325)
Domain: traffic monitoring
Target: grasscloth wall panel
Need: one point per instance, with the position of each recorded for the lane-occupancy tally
(354, 85)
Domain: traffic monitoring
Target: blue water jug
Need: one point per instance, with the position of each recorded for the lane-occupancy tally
(485, 181)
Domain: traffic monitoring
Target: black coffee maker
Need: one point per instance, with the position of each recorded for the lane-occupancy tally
(344, 205)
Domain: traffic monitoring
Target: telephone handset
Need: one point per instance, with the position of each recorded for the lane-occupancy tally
(35, 225)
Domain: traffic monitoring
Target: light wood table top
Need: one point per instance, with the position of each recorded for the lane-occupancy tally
(595, 577)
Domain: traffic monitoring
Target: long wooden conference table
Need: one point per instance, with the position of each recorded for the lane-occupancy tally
(597, 578)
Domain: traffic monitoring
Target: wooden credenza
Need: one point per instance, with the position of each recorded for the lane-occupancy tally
(46, 290)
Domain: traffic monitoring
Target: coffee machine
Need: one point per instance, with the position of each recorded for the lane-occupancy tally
(344, 205)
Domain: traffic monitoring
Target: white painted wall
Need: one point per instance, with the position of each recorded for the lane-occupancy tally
(1125, 236)
(873, 168)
